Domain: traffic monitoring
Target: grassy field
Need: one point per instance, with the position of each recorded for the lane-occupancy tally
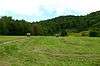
(49, 51)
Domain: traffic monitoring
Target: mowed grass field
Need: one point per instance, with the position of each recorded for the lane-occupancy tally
(49, 51)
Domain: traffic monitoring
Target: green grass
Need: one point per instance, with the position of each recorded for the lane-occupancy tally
(9, 38)
(50, 51)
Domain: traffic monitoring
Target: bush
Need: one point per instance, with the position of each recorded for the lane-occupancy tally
(93, 34)
(64, 33)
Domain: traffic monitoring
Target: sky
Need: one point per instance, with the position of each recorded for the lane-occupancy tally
(36, 10)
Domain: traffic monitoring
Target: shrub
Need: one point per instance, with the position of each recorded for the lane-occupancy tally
(93, 34)
(64, 33)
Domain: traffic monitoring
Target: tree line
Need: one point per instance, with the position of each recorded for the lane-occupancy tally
(69, 23)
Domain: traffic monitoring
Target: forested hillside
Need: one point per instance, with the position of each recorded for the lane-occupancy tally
(70, 23)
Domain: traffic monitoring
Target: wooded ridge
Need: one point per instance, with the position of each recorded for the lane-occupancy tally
(69, 23)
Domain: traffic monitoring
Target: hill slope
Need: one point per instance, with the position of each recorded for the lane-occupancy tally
(73, 23)
(70, 23)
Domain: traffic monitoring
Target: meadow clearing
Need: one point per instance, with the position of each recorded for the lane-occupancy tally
(49, 51)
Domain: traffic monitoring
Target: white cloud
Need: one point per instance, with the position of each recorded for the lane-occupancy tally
(43, 9)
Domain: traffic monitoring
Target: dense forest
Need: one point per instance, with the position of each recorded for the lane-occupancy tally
(69, 23)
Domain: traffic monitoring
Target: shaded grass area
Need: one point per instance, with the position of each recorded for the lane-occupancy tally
(52, 51)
